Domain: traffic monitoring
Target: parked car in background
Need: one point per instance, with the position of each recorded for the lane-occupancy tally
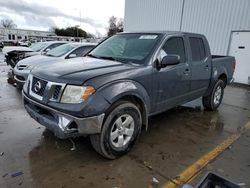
(110, 94)
(65, 51)
(8, 43)
(16, 53)
(24, 43)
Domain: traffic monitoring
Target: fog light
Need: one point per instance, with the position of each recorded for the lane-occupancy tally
(63, 123)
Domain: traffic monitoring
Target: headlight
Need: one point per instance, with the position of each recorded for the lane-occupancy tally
(26, 84)
(28, 67)
(76, 94)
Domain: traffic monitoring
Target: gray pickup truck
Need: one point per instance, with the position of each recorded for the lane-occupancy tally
(110, 93)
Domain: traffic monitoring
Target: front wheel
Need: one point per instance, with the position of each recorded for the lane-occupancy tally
(213, 100)
(120, 130)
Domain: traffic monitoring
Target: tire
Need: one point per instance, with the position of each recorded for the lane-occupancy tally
(19, 86)
(11, 81)
(112, 147)
(213, 101)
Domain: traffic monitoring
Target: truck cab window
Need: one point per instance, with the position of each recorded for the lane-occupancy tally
(174, 46)
(197, 48)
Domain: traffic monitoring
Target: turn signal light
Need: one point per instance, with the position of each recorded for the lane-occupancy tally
(87, 92)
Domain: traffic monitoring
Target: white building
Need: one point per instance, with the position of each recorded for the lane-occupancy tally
(19, 34)
(225, 23)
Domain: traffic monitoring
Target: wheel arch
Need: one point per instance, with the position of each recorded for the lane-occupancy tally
(140, 104)
(217, 75)
(223, 77)
(132, 92)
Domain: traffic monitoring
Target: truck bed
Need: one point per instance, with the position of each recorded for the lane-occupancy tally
(224, 64)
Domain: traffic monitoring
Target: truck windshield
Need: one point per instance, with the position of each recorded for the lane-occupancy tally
(60, 50)
(37, 47)
(133, 48)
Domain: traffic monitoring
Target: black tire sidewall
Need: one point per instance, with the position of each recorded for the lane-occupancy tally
(124, 108)
(221, 84)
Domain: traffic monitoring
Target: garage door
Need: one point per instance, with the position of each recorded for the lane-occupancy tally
(240, 48)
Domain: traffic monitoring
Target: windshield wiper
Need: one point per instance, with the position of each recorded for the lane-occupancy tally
(108, 58)
(102, 57)
(90, 55)
(49, 55)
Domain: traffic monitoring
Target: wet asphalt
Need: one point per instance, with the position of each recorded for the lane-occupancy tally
(31, 156)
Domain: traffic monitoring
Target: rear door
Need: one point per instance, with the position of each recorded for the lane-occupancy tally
(201, 65)
(173, 82)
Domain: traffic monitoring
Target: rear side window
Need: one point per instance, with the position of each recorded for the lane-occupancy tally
(82, 51)
(197, 49)
(54, 45)
(174, 46)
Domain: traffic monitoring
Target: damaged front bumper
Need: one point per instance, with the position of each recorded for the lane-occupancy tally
(63, 125)
(20, 76)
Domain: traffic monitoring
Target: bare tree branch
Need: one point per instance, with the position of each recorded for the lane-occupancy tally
(8, 23)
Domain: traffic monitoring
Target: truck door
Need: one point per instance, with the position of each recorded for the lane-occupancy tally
(201, 66)
(172, 82)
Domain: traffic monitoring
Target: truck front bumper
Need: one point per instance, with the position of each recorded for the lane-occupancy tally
(63, 125)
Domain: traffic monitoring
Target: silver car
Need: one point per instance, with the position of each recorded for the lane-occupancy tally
(13, 54)
(66, 51)
(43, 47)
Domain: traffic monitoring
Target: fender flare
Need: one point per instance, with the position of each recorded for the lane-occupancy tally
(216, 73)
(117, 90)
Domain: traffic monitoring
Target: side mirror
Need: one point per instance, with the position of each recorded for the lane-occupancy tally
(72, 55)
(45, 51)
(170, 60)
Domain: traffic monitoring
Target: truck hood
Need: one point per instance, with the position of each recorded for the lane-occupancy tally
(78, 70)
(36, 60)
(16, 48)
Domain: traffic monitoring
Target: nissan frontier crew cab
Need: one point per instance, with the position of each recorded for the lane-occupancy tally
(110, 93)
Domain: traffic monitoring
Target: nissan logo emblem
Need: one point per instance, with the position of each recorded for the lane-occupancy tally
(37, 86)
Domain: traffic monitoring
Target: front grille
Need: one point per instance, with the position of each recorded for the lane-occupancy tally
(45, 90)
(57, 92)
(38, 86)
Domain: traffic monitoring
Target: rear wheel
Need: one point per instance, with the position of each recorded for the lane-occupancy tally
(213, 101)
(119, 132)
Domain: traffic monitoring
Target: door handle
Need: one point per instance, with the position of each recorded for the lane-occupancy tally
(206, 67)
(186, 72)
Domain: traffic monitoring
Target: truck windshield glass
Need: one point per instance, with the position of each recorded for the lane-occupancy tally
(127, 47)
(60, 50)
(37, 47)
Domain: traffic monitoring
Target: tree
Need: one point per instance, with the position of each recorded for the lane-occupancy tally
(120, 26)
(115, 26)
(8, 23)
(71, 32)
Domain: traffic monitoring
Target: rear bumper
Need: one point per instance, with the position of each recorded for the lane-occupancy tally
(63, 125)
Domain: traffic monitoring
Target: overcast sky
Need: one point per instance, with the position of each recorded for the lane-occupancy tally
(92, 15)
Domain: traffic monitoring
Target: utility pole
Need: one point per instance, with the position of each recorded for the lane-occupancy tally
(182, 12)
(77, 31)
